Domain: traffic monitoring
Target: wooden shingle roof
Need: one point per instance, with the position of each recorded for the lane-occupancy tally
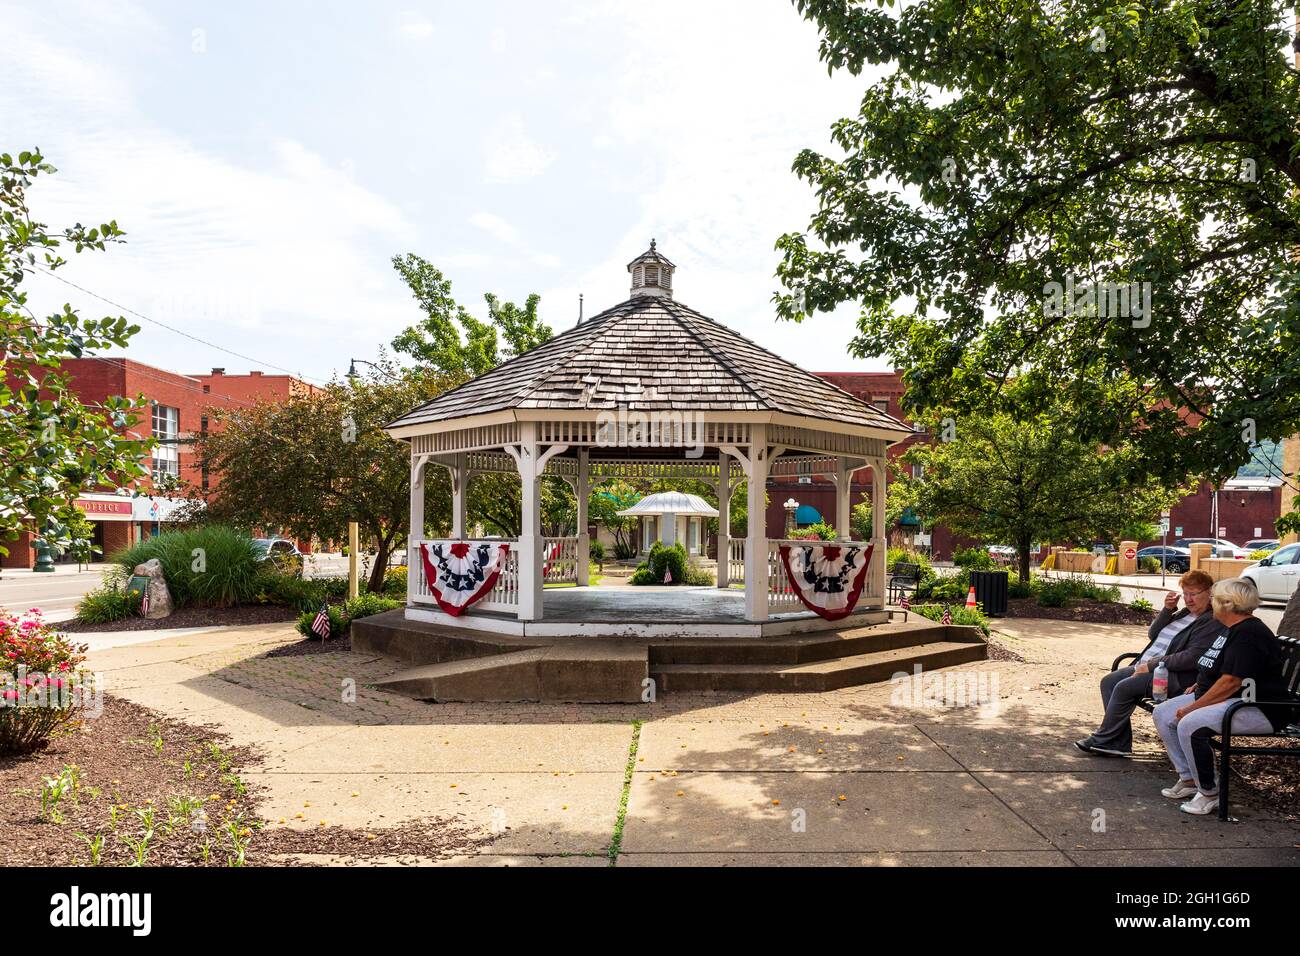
(651, 353)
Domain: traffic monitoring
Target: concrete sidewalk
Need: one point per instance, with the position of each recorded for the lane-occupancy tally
(859, 776)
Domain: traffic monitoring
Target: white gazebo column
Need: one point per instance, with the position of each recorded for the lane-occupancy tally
(880, 555)
(756, 570)
(459, 473)
(843, 498)
(724, 520)
(530, 525)
(582, 491)
(414, 567)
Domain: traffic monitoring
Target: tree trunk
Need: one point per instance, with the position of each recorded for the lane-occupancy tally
(383, 550)
(1290, 625)
(1022, 559)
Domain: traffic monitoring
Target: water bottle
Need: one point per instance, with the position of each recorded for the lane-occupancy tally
(1160, 683)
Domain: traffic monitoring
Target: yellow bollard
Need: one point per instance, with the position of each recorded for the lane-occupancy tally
(354, 543)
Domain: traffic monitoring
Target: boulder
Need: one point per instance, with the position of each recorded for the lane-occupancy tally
(160, 599)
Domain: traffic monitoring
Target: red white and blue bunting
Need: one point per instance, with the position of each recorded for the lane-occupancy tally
(828, 578)
(461, 572)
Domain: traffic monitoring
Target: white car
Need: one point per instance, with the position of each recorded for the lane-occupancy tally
(1277, 575)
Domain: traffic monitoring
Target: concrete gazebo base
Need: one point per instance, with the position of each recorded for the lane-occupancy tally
(455, 662)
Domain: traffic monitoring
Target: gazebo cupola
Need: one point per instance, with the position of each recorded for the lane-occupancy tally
(652, 273)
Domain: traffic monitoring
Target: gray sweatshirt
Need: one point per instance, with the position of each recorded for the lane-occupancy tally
(1187, 646)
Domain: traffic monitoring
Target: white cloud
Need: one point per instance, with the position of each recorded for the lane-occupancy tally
(511, 156)
(496, 227)
(416, 30)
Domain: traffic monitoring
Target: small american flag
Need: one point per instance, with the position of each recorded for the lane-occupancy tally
(947, 616)
(905, 604)
(668, 576)
(321, 624)
(144, 602)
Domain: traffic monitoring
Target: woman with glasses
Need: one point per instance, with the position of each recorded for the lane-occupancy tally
(1178, 637)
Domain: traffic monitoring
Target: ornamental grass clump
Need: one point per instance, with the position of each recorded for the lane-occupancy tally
(208, 566)
(41, 682)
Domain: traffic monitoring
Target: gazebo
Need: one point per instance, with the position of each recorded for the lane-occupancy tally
(649, 388)
(671, 517)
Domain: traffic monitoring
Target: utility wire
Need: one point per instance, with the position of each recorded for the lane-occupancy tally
(172, 328)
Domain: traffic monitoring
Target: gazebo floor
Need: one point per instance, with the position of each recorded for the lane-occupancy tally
(644, 612)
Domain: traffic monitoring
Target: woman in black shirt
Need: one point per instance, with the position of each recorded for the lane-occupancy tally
(1245, 661)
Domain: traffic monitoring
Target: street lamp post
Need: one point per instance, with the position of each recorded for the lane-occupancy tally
(791, 506)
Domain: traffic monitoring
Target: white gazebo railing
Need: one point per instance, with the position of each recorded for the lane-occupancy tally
(559, 560)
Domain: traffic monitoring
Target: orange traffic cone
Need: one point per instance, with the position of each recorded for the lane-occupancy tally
(970, 597)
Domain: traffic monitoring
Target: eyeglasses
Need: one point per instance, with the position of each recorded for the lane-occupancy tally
(1192, 594)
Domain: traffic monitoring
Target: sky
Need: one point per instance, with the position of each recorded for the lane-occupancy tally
(268, 160)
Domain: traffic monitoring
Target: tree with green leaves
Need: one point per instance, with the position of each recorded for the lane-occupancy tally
(1001, 480)
(451, 341)
(309, 464)
(52, 447)
(1095, 199)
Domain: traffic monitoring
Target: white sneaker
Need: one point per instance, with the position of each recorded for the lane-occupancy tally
(1201, 804)
(1178, 791)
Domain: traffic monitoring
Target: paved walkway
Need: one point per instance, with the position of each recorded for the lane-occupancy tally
(867, 775)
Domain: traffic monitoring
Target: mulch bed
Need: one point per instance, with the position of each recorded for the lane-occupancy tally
(1272, 782)
(135, 766)
(1090, 612)
(193, 617)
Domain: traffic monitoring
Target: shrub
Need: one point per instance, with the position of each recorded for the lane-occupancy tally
(623, 550)
(108, 602)
(1140, 604)
(42, 681)
(961, 614)
(974, 559)
(643, 575)
(1017, 588)
(897, 555)
(821, 531)
(1059, 591)
(275, 587)
(1149, 565)
(660, 560)
(698, 576)
(597, 552)
(364, 605)
(210, 565)
(395, 581)
(1257, 555)
(338, 621)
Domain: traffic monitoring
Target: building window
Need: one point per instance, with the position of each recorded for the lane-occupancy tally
(167, 431)
(882, 404)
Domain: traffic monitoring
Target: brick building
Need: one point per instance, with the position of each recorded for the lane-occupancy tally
(177, 411)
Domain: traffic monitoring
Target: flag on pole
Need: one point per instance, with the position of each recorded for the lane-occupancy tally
(947, 616)
(321, 623)
(905, 604)
(668, 575)
(144, 602)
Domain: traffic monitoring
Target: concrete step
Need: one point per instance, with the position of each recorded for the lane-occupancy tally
(576, 671)
(805, 648)
(869, 668)
(413, 642)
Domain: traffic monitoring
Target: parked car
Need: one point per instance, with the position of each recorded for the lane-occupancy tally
(280, 550)
(1277, 575)
(1262, 544)
(1222, 547)
(1001, 552)
(1172, 558)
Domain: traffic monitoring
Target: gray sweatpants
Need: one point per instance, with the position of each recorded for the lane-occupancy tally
(1121, 691)
(1188, 740)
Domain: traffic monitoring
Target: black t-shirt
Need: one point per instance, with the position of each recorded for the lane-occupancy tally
(1248, 650)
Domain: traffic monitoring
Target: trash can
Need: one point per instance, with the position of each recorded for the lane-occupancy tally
(990, 591)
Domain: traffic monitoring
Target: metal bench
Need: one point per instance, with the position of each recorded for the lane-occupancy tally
(903, 579)
(1223, 741)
